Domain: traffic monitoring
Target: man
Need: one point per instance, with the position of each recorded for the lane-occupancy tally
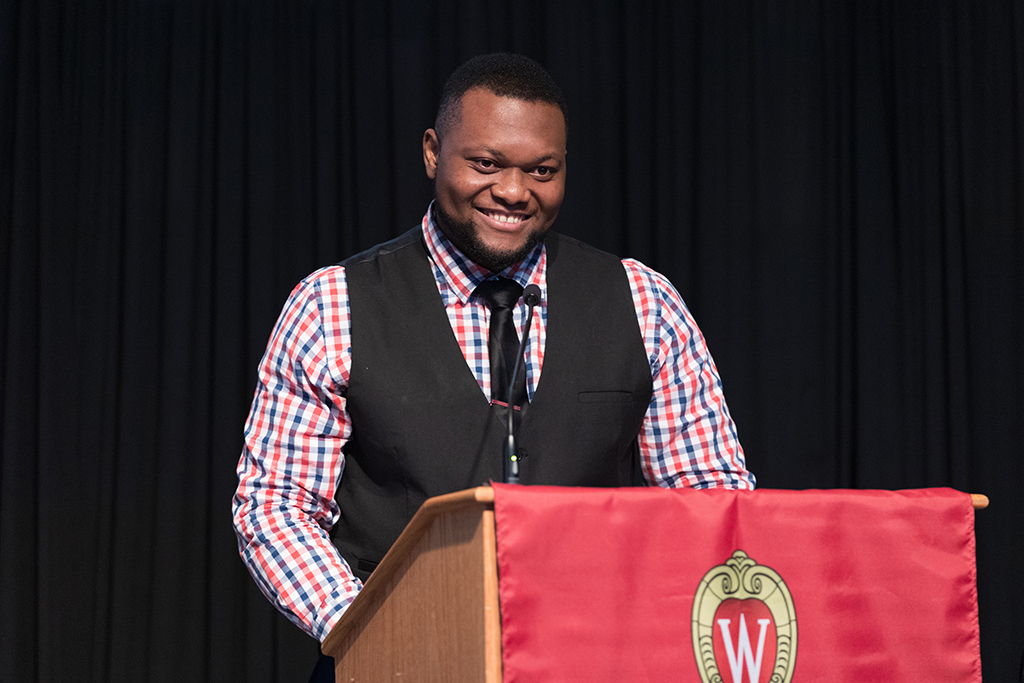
(377, 390)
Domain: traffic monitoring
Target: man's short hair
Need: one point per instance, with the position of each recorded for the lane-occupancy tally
(504, 74)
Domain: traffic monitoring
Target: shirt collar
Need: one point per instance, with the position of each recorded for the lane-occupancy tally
(457, 276)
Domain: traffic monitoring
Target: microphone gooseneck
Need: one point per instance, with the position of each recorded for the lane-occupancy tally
(531, 297)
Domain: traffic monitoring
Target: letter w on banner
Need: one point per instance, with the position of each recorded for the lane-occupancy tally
(741, 653)
(744, 587)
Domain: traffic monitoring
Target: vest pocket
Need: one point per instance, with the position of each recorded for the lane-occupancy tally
(605, 396)
(366, 565)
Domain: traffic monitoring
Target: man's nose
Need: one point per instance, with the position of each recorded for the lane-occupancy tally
(511, 186)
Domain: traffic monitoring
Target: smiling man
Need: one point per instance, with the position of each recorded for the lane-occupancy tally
(499, 176)
(383, 382)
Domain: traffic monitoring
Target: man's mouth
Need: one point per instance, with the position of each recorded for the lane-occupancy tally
(504, 217)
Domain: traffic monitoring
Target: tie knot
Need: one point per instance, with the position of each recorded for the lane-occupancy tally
(499, 292)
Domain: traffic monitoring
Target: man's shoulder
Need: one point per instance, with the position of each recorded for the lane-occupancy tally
(410, 238)
(321, 287)
(566, 251)
(644, 273)
(635, 270)
(649, 287)
(556, 242)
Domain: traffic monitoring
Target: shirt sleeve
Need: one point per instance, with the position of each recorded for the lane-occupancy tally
(293, 460)
(688, 437)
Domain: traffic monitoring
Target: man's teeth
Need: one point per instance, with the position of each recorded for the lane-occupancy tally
(503, 218)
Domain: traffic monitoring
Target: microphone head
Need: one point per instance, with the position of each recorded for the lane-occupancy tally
(531, 295)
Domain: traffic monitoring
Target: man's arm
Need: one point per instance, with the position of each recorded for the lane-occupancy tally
(688, 437)
(292, 460)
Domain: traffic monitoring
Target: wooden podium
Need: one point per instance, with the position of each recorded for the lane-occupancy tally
(430, 610)
(431, 606)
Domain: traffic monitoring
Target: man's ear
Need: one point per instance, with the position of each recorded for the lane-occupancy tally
(431, 151)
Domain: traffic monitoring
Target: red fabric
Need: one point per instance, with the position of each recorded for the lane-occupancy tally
(599, 584)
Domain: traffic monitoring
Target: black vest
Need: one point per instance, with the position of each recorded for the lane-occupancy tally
(421, 426)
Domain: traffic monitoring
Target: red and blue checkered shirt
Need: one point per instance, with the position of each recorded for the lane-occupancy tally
(292, 462)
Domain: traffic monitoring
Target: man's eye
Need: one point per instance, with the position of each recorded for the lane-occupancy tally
(543, 171)
(486, 164)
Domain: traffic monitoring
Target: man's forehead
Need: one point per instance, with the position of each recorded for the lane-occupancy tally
(485, 102)
(482, 110)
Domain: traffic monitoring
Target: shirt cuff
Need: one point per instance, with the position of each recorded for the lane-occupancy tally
(332, 609)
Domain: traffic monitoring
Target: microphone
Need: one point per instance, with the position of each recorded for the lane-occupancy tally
(531, 297)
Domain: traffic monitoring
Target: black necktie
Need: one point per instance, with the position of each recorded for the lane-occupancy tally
(501, 295)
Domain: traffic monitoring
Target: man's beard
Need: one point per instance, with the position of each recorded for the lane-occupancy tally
(464, 236)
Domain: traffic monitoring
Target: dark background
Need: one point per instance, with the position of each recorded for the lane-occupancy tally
(837, 189)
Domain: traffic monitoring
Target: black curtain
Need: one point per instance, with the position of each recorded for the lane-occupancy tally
(837, 189)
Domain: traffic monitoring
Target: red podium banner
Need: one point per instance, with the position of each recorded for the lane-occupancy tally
(739, 587)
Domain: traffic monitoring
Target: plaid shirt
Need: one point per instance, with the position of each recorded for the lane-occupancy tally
(293, 461)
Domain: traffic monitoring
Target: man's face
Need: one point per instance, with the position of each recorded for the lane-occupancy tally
(499, 176)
